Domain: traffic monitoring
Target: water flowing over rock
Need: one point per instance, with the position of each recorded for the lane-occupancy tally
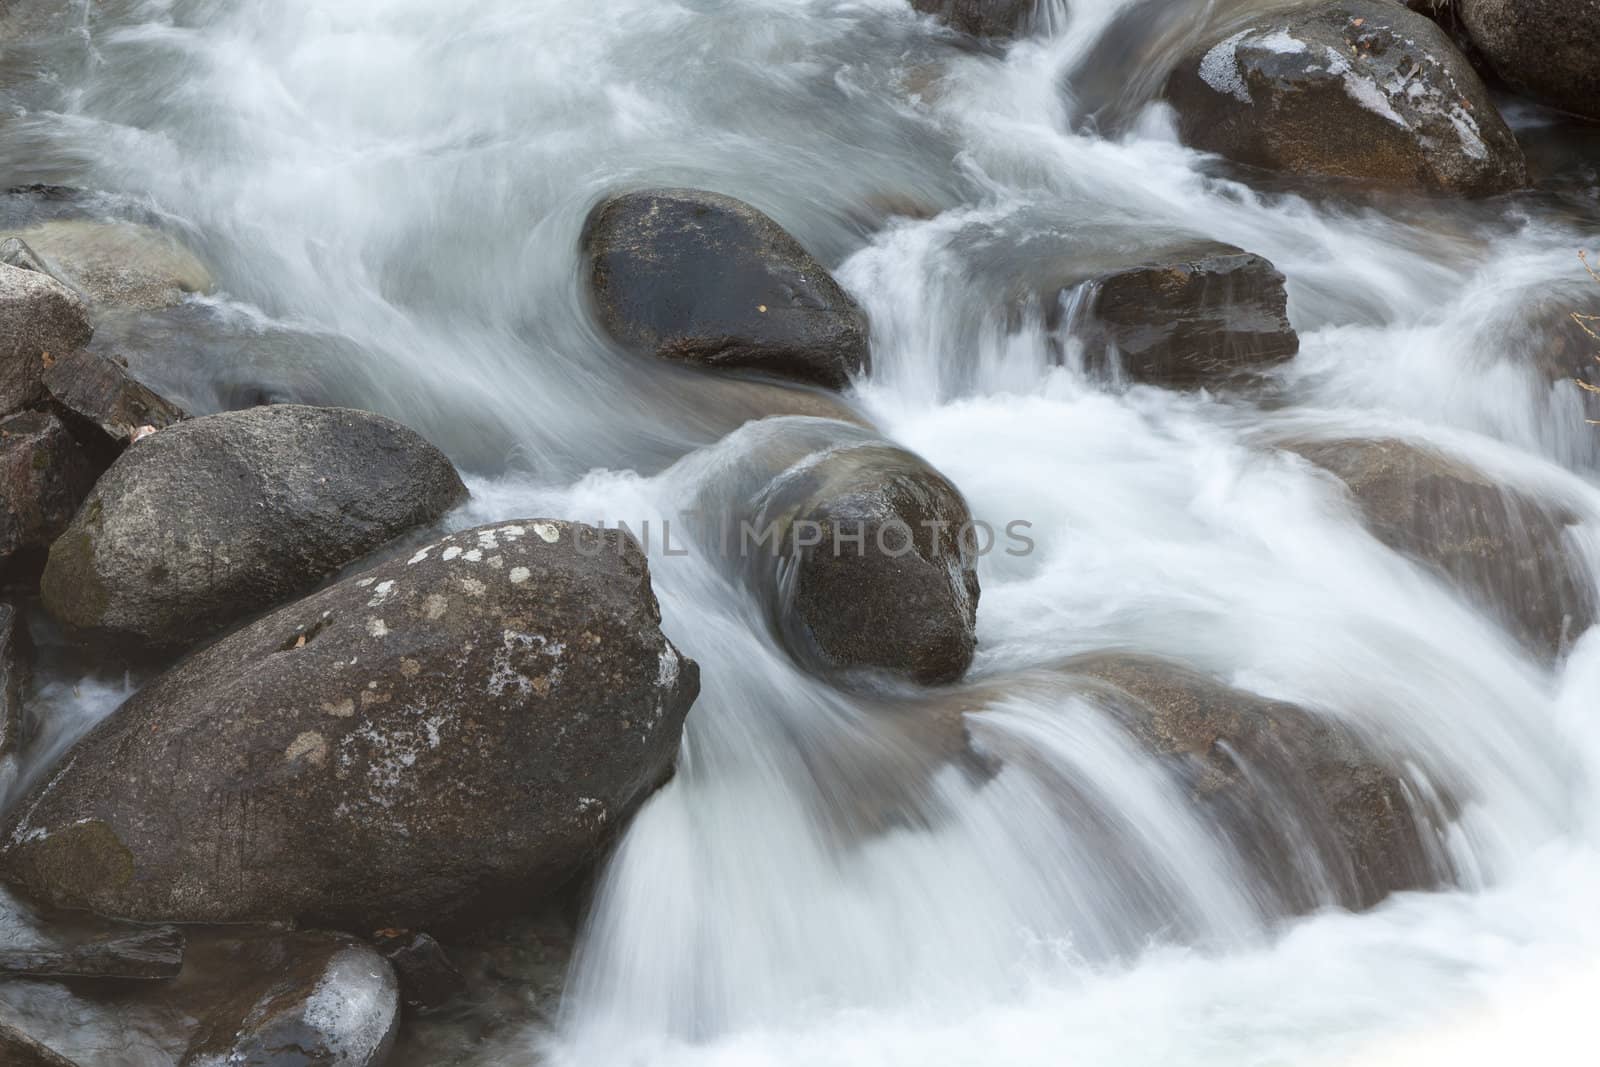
(305, 998)
(216, 518)
(702, 278)
(40, 321)
(863, 554)
(981, 18)
(462, 726)
(1197, 317)
(1545, 48)
(118, 264)
(145, 954)
(1364, 90)
(44, 475)
(1507, 552)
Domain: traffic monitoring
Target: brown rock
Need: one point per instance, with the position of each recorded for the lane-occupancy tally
(44, 475)
(17, 1049)
(40, 321)
(1545, 48)
(982, 18)
(103, 403)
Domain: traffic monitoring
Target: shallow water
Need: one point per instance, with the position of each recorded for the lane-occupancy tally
(389, 193)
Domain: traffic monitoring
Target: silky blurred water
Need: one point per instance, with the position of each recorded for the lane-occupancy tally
(390, 194)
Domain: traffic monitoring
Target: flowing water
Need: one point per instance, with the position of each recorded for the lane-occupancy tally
(390, 194)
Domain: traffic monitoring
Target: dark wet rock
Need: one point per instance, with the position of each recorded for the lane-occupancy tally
(1545, 48)
(104, 404)
(40, 321)
(1319, 815)
(145, 954)
(118, 264)
(17, 1049)
(428, 979)
(15, 657)
(313, 999)
(44, 475)
(1196, 317)
(981, 18)
(216, 518)
(697, 277)
(1506, 552)
(1363, 90)
(448, 732)
(862, 552)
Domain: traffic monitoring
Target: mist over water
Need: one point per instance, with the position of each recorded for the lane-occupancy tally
(390, 195)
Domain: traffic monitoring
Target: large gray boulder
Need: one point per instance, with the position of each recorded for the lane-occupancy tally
(862, 553)
(216, 518)
(1545, 48)
(1505, 551)
(40, 321)
(981, 18)
(463, 726)
(1363, 90)
(697, 277)
(44, 475)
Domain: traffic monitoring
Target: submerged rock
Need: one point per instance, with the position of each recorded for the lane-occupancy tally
(1195, 317)
(17, 1049)
(44, 475)
(318, 999)
(981, 18)
(40, 321)
(1545, 48)
(144, 954)
(1318, 815)
(118, 264)
(216, 518)
(103, 403)
(466, 726)
(1506, 552)
(863, 554)
(1360, 89)
(697, 277)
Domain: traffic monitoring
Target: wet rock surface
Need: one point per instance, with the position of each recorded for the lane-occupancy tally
(1504, 551)
(103, 403)
(1314, 811)
(148, 954)
(1363, 90)
(14, 669)
(215, 518)
(17, 1049)
(701, 278)
(1198, 316)
(981, 18)
(45, 474)
(428, 978)
(1545, 48)
(40, 321)
(451, 731)
(312, 999)
(119, 265)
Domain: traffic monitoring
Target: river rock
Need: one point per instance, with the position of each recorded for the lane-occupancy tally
(40, 321)
(428, 979)
(461, 727)
(1363, 90)
(1308, 805)
(14, 669)
(118, 264)
(44, 475)
(862, 553)
(143, 954)
(1506, 552)
(216, 518)
(1195, 317)
(1545, 48)
(17, 1049)
(103, 403)
(697, 277)
(981, 18)
(304, 998)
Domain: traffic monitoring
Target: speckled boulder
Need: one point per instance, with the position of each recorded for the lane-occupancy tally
(40, 321)
(455, 729)
(1364, 90)
(214, 519)
(701, 278)
(1549, 49)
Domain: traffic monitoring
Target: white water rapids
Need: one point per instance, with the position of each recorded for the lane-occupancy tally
(390, 193)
